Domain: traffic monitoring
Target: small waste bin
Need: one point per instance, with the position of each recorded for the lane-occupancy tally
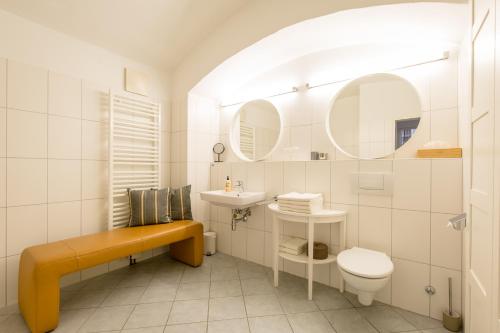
(210, 238)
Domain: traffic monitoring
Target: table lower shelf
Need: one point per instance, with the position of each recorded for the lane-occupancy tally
(302, 258)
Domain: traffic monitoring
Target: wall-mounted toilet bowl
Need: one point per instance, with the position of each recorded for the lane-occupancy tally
(365, 270)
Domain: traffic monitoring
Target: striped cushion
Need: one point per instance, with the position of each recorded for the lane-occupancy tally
(149, 207)
(181, 203)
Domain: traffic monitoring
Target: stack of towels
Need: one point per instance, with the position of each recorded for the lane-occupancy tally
(306, 203)
(293, 245)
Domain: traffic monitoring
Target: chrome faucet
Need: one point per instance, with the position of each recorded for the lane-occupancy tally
(239, 184)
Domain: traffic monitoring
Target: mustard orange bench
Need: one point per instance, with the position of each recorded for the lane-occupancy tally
(42, 266)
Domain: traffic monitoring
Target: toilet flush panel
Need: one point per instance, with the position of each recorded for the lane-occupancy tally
(374, 183)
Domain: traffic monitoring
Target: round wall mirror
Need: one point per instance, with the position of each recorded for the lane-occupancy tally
(373, 116)
(255, 130)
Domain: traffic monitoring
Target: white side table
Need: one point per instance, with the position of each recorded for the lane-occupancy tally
(324, 216)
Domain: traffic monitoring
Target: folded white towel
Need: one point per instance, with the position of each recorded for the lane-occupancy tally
(290, 251)
(296, 196)
(295, 209)
(294, 243)
(312, 207)
(296, 203)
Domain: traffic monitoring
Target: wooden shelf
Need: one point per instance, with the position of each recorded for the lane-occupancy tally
(302, 258)
(440, 153)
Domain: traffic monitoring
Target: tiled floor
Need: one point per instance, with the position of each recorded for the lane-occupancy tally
(224, 295)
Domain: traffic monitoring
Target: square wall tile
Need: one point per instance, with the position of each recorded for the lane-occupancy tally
(92, 272)
(294, 268)
(3, 83)
(26, 134)
(239, 242)
(95, 140)
(3, 182)
(293, 229)
(95, 102)
(238, 172)
(412, 184)
(444, 84)
(255, 249)
(64, 220)
(64, 180)
(3, 232)
(408, 282)
(446, 189)
(65, 138)
(95, 179)
(268, 260)
(294, 177)
(375, 166)
(3, 132)
(446, 243)
(341, 187)
(439, 301)
(94, 216)
(26, 87)
(419, 77)
(12, 270)
(257, 220)
(300, 136)
(3, 282)
(444, 126)
(65, 95)
(411, 235)
(69, 279)
(27, 183)
(352, 226)
(274, 178)
(318, 178)
(224, 241)
(384, 295)
(321, 142)
(256, 178)
(166, 146)
(375, 229)
(26, 226)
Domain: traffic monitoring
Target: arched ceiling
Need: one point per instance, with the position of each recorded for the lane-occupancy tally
(158, 33)
(422, 25)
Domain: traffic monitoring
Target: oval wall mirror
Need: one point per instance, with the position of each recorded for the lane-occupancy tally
(374, 115)
(255, 130)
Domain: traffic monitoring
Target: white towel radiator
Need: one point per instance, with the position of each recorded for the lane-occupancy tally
(134, 153)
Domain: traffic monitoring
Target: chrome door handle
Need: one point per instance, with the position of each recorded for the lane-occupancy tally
(458, 222)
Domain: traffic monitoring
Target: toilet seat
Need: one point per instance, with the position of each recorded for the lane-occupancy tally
(365, 263)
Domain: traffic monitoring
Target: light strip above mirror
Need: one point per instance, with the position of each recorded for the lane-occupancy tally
(307, 86)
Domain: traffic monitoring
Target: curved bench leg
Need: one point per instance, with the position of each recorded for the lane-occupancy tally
(38, 297)
(189, 251)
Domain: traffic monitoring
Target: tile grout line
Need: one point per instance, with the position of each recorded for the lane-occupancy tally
(5, 302)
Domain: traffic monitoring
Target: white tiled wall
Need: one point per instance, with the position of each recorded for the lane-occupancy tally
(410, 225)
(53, 164)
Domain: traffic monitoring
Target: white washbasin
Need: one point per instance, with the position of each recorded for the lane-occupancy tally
(233, 199)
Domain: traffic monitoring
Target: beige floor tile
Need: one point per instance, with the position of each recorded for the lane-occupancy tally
(150, 314)
(184, 312)
(226, 308)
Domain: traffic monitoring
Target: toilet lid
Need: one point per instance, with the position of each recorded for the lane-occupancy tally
(365, 263)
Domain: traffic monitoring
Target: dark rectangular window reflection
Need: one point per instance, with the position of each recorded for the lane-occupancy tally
(405, 128)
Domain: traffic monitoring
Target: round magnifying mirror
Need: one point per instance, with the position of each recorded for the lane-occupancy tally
(255, 130)
(373, 116)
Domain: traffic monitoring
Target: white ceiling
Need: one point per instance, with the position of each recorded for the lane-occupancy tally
(423, 27)
(155, 32)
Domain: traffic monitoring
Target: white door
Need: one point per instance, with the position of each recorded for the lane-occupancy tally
(479, 233)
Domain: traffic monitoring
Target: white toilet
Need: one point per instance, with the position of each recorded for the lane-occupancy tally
(365, 270)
